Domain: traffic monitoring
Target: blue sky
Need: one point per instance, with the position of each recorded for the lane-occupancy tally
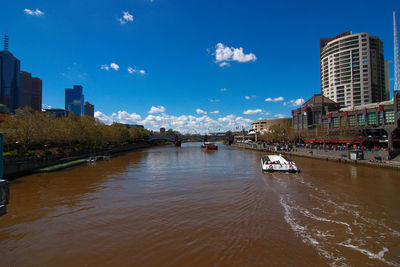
(193, 66)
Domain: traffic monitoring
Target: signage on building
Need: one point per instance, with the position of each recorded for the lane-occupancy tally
(323, 42)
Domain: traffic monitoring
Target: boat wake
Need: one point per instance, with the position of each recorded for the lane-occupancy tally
(344, 234)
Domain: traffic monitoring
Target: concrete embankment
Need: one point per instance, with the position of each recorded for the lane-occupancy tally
(371, 158)
(14, 168)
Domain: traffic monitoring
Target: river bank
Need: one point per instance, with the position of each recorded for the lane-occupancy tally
(371, 158)
(17, 167)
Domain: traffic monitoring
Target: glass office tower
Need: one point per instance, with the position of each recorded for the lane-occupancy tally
(74, 100)
(9, 80)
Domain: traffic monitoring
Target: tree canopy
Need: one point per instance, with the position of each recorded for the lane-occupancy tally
(29, 129)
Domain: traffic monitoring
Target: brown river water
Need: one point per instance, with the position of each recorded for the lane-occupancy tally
(184, 206)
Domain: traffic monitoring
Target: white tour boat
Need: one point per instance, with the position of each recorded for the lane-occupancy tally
(277, 163)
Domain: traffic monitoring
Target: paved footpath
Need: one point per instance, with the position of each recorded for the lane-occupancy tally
(337, 156)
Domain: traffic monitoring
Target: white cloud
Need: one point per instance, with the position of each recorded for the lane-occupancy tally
(223, 89)
(299, 101)
(136, 70)
(199, 111)
(276, 99)
(247, 97)
(32, 12)
(232, 122)
(224, 53)
(158, 109)
(224, 64)
(213, 100)
(295, 103)
(280, 116)
(157, 121)
(252, 111)
(103, 117)
(128, 118)
(214, 112)
(105, 67)
(120, 116)
(126, 17)
(45, 106)
(114, 66)
(182, 123)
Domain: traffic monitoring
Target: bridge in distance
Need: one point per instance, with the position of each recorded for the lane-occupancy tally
(178, 139)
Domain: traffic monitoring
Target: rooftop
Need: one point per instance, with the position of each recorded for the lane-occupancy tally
(367, 106)
(318, 99)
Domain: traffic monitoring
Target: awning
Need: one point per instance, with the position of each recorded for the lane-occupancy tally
(354, 141)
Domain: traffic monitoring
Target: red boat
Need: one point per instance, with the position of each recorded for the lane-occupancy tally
(209, 146)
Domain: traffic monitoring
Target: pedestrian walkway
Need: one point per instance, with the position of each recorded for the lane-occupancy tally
(371, 158)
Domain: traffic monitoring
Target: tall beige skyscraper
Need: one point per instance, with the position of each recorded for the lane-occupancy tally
(353, 69)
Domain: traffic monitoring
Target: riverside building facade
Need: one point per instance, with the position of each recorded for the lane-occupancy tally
(321, 120)
(260, 126)
(353, 69)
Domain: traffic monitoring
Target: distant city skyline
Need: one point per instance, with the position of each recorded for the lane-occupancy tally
(209, 66)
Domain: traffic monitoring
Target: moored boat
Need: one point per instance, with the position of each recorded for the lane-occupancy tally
(277, 163)
(92, 159)
(209, 146)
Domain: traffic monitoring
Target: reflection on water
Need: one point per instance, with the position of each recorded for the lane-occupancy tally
(181, 206)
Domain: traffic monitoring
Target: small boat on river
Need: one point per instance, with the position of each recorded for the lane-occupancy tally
(277, 163)
(92, 159)
(209, 146)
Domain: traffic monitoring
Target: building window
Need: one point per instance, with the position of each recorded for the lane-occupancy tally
(325, 122)
(335, 122)
(398, 103)
(380, 119)
(360, 119)
(342, 121)
(371, 118)
(389, 117)
(352, 120)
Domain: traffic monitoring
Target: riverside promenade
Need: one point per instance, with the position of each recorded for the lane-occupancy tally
(16, 167)
(371, 158)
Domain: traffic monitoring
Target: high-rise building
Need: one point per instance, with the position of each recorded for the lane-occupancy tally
(353, 69)
(9, 78)
(74, 100)
(30, 91)
(89, 109)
